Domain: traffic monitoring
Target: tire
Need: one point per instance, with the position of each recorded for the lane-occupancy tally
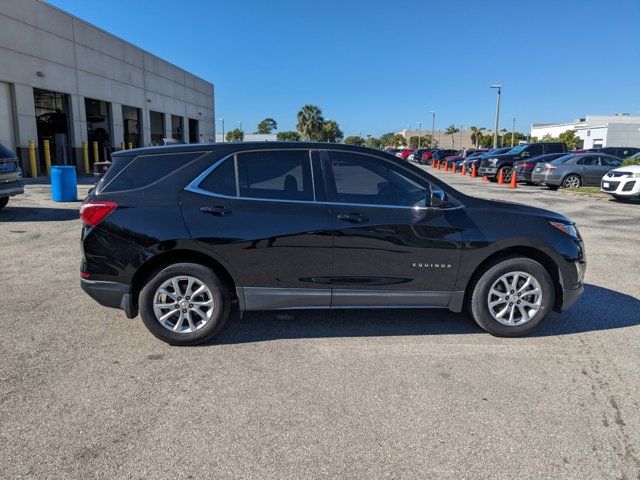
(507, 171)
(571, 181)
(3, 202)
(490, 276)
(217, 292)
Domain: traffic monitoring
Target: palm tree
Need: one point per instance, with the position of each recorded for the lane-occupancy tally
(310, 122)
(476, 135)
(451, 130)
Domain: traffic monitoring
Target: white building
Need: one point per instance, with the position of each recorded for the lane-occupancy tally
(67, 81)
(622, 130)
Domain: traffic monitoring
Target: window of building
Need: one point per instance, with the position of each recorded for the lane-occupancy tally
(52, 123)
(131, 121)
(177, 129)
(156, 122)
(280, 175)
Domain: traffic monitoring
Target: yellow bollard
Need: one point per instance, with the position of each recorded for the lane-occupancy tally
(32, 159)
(130, 145)
(96, 158)
(85, 155)
(47, 156)
(121, 146)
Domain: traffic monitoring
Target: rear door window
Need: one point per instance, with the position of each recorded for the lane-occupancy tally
(590, 160)
(222, 179)
(276, 174)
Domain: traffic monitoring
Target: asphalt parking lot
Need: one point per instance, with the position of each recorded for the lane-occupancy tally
(86, 393)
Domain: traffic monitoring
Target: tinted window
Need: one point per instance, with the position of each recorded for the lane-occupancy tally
(5, 153)
(563, 159)
(535, 149)
(222, 179)
(590, 160)
(146, 169)
(369, 180)
(609, 161)
(280, 175)
(553, 148)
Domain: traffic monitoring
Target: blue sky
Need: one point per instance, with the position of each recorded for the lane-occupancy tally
(378, 66)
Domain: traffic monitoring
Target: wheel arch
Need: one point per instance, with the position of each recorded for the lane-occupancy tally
(164, 259)
(524, 251)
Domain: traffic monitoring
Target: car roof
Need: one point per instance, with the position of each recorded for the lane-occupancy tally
(240, 146)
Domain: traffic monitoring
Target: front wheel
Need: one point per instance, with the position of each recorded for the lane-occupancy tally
(506, 173)
(3, 202)
(512, 296)
(184, 304)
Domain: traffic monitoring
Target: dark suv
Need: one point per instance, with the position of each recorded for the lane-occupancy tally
(491, 166)
(620, 152)
(181, 234)
(11, 182)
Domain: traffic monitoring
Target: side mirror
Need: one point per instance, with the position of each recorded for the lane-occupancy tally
(436, 198)
(526, 154)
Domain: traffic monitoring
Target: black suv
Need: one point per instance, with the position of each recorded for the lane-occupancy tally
(491, 166)
(620, 152)
(11, 182)
(182, 233)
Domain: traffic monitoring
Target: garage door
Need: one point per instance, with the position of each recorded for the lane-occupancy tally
(7, 137)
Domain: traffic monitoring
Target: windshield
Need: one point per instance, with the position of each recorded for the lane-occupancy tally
(562, 159)
(518, 149)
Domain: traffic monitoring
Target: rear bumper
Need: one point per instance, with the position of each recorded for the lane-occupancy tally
(110, 294)
(9, 189)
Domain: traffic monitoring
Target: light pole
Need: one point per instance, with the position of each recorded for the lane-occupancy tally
(222, 120)
(513, 131)
(495, 131)
(460, 135)
(419, 133)
(433, 127)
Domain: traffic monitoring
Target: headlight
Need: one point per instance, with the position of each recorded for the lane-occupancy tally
(493, 161)
(566, 228)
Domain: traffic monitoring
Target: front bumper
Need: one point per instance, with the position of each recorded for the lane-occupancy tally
(621, 186)
(9, 189)
(488, 171)
(110, 294)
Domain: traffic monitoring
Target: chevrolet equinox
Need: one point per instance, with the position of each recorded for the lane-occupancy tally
(181, 234)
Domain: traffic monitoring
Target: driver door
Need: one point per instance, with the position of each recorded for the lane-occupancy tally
(390, 247)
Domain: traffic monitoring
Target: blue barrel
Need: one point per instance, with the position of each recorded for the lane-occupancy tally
(64, 183)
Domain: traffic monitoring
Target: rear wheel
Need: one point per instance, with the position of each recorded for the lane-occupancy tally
(3, 202)
(512, 296)
(571, 181)
(184, 304)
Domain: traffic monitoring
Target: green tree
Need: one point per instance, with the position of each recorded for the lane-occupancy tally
(476, 135)
(354, 140)
(451, 130)
(235, 135)
(486, 141)
(331, 132)
(310, 122)
(373, 142)
(385, 140)
(571, 139)
(288, 136)
(425, 141)
(267, 126)
(518, 137)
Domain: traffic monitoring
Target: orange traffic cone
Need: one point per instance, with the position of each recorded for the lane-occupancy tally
(474, 171)
(437, 164)
(500, 178)
(514, 180)
(455, 167)
(446, 166)
(464, 169)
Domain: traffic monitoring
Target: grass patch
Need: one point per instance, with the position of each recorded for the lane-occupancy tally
(584, 190)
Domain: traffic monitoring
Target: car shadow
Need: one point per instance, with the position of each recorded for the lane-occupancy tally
(38, 214)
(598, 309)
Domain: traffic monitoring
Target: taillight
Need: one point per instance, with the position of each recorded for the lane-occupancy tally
(92, 212)
(526, 164)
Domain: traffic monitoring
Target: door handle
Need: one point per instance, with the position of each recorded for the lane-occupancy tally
(352, 218)
(217, 210)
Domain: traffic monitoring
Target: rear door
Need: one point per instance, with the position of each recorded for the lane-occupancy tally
(390, 247)
(260, 214)
(589, 169)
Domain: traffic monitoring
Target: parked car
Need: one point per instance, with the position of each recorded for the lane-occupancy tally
(524, 168)
(269, 226)
(623, 183)
(476, 158)
(472, 151)
(11, 182)
(426, 156)
(440, 155)
(620, 152)
(404, 154)
(492, 166)
(416, 155)
(574, 170)
(393, 151)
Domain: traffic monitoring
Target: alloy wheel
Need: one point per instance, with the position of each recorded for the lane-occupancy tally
(183, 304)
(514, 298)
(571, 182)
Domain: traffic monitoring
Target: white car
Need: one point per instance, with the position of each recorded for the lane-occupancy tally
(623, 182)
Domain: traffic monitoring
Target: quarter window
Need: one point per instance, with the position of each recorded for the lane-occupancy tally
(222, 180)
(278, 175)
(369, 180)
